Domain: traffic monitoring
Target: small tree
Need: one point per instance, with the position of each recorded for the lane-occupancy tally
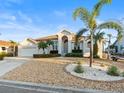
(42, 45)
(49, 42)
(14, 46)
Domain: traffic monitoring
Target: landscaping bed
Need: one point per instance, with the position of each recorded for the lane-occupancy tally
(97, 72)
(54, 73)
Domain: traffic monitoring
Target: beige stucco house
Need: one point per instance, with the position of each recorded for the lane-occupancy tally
(64, 42)
(7, 47)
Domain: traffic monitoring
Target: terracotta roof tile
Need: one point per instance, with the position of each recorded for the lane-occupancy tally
(52, 37)
(5, 43)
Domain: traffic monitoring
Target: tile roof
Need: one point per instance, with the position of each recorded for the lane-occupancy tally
(5, 43)
(55, 37)
(52, 37)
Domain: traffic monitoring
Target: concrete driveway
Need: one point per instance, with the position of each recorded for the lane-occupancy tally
(7, 65)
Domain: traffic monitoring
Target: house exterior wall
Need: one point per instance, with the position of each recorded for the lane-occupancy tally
(6, 49)
(27, 48)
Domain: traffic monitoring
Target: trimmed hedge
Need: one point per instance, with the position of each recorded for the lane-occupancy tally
(76, 51)
(54, 52)
(74, 55)
(45, 55)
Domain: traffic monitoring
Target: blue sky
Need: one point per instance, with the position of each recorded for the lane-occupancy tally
(20, 19)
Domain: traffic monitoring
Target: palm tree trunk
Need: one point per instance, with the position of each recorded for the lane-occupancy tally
(91, 50)
(43, 51)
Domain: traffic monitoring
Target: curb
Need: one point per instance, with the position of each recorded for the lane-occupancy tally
(56, 89)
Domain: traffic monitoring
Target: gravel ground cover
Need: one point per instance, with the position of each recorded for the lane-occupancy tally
(52, 71)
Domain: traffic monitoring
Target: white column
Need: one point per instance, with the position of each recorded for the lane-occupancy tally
(69, 44)
(59, 45)
(69, 47)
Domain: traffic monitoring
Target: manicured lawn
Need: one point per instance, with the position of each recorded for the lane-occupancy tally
(52, 71)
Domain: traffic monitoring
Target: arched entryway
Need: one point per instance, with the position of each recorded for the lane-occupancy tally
(65, 44)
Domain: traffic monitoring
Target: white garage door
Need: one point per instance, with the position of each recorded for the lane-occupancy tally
(27, 52)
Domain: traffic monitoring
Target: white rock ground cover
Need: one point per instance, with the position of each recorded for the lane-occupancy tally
(93, 73)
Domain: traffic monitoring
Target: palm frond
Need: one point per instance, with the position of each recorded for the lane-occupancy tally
(98, 6)
(83, 14)
(79, 34)
(112, 25)
(99, 36)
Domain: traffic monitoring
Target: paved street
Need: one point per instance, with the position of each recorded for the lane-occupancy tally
(27, 88)
(9, 89)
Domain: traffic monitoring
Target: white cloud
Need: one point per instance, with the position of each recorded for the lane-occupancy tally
(60, 13)
(5, 16)
(99, 21)
(18, 26)
(13, 1)
(24, 17)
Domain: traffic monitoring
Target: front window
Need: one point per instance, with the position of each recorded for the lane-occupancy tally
(3, 48)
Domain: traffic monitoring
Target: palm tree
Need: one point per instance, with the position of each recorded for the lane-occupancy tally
(89, 19)
(109, 42)
(98, 37)
(14, 46)
(42, 45)
(49, 42)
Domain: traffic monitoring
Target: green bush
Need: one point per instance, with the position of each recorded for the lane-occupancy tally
(79, 68)
(74, 55)
(113, 71)
(46, 55)
(4, 54)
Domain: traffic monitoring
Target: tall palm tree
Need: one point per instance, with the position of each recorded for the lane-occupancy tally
(89, 19)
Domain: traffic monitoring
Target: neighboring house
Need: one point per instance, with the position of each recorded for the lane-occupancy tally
(119, 46)
(6, 46)
(64, 42)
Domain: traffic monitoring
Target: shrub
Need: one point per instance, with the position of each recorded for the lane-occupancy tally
(45, 55)
(54, 52)
(74, 55)
(113, 71)
(79, 68)
(76, 51)
(2, 55)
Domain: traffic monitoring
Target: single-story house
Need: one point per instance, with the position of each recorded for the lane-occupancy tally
(64, 42)
(7, 47)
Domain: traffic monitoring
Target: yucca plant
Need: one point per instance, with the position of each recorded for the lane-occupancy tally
(89, 19)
